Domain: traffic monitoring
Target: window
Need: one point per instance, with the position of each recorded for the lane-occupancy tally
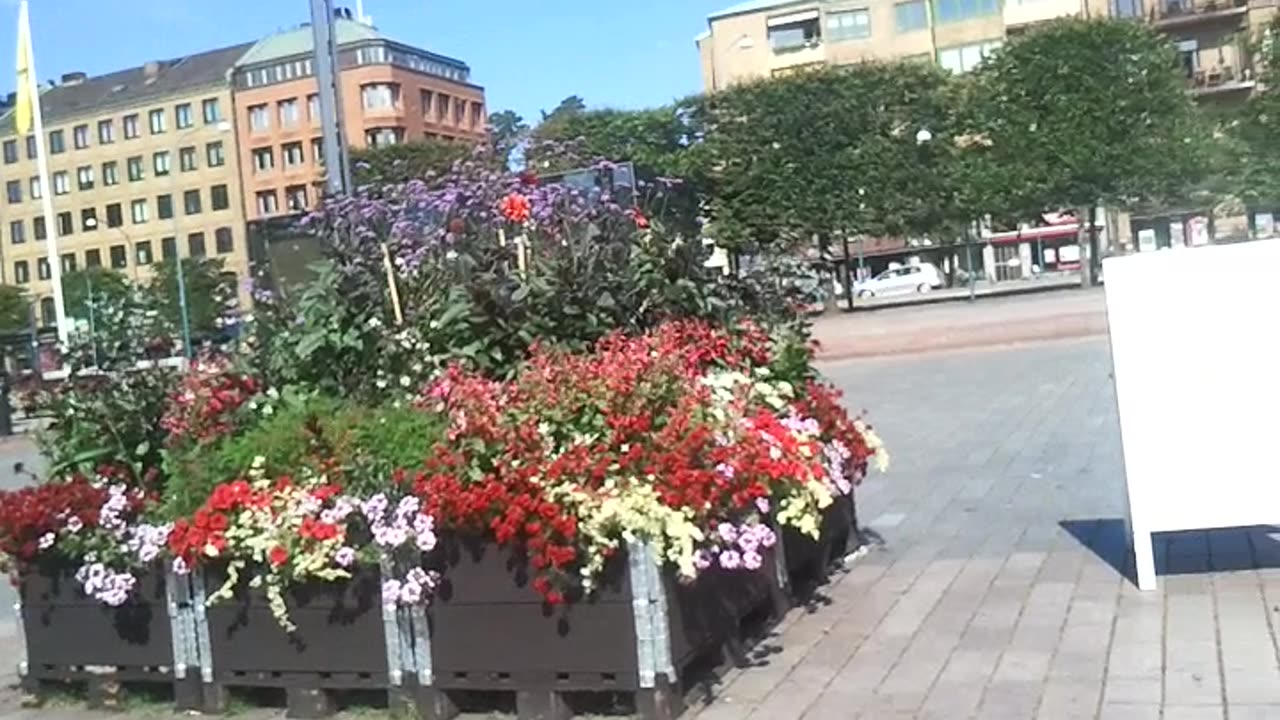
(949, 11)
(264, 160)
(37, 190)
(135, 168)
(106, 132)
(43, 271)
(68, 263)
(384, 137)
(380, 96)
(477, 116)
(191, 202)
(65, 224)
(259, 118)
(317, 151)
(157, 121)
(443, 103)
(218, 197)
(31, 147)
(110, 173)
(212, 112)
(793, 34)
(17, 232)
(428, 100)
(160, 162)
(164, 207)
(213, 154)
(1127, 9)
(223, 242)
(313, 108)
(911, 16)
(182, 116)
(168, 248)
(88, 219)
(84, 177)
(21, 272)
(459, 112)
(57, 143)
(119, 257)
(13, 189)
(38, 229)
(61, 183)
(10, 152)
(92, 258)
(268, 203)
(187, 159)
(131, 127)
(1188, 56)
(80, 136)
(142, 253)
(288, 113)
(48, 312)
(293, 154)
(296, 196)
(195, 245)
(115, 216)
(141, 213)
(966, 57)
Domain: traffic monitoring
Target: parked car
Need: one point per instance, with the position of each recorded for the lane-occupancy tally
(920, 278)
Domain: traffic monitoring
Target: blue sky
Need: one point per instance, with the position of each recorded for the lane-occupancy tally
(528, 54)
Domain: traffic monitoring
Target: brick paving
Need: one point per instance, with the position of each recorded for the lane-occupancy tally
(996, 593)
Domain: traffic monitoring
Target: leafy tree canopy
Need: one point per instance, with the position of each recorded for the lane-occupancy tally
(209, 293)
(15, 308)
(408, 161)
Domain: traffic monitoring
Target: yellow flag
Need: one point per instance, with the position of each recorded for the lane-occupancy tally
(23, 109)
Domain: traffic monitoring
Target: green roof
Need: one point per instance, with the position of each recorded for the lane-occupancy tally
(301, 40)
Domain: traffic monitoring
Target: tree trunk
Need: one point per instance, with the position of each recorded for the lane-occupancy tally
(1085, 239)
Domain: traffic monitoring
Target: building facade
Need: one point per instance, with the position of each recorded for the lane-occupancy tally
(142, 166)
(389, 93)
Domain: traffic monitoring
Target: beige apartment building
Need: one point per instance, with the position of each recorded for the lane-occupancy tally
(142, 167)
(390, 93)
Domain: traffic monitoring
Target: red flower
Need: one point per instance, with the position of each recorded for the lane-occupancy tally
(641, 221)
(278, 556)
(516, 208)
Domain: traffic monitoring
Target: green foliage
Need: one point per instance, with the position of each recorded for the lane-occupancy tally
(15, 309)
(1083, 112)
(209, 294)
(507, 130)
(1254, 132)
(360, 446)
(408, 161)
(829, 151)
(99, 287)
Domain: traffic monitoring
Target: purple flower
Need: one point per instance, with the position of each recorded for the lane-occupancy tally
(726, 470)
(390, 592)
(75, 524)
(345, 557)
(180, 567)
(752, 560)
(702, 559)
(727, 532)
(762, 504)
(730, 559)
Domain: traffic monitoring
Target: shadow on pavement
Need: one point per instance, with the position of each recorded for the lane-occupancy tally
(1185, 552)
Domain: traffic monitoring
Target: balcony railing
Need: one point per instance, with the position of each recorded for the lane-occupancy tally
(1174, 13)
(1221, 70)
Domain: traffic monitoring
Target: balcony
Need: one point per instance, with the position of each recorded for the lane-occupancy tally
(1171, 14)
(1218, 69)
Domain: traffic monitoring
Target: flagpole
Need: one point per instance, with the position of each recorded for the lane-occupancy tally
(42, 166)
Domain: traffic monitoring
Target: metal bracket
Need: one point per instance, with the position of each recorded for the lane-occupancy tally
(203, 645)
(23, 665)
(391, 627)
(178, 627)
(420, 637)
(642, 610)
(662, 661)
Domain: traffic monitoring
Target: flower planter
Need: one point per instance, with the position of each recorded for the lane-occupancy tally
(807, 559)
(73, 637)
(637, 634)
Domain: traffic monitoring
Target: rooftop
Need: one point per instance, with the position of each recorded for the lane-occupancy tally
(301, 40)
(134, 86)
(751, 6)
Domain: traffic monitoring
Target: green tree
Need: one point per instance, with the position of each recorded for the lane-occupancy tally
(97, 285)
(15, 309)
(409, 161)
(1080, 113)
(1254, 170)
(862, 149)
(209, 295)
(507, 130)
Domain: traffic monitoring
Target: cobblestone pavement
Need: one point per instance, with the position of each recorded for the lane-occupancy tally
(995, 593)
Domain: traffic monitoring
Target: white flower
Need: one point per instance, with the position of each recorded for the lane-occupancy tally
(47, 540)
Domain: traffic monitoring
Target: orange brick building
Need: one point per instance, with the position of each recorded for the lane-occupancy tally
(390, 93)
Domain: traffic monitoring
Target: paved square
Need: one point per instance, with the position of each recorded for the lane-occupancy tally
(996, 592)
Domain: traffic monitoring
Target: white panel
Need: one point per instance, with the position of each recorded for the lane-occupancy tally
(792, 18)
(1195, 343)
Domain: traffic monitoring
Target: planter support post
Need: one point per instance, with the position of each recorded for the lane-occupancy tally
(662, 661)
(421, 640)
(642, 610)
(23, 666)
(203, 646)
(178, 602)
(391, 628)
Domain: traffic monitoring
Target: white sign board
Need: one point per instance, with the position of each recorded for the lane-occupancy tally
(1195, 343)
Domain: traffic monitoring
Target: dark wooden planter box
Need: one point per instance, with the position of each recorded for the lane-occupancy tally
(339, 641)
(807, 560)
(67, 631)
(491, 631)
